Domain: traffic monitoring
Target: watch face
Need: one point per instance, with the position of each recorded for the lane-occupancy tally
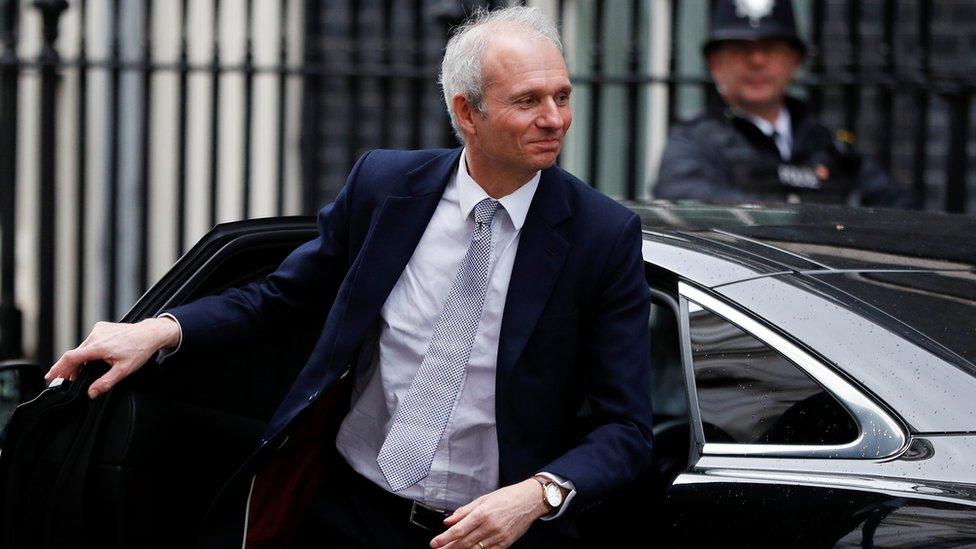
(554, 496)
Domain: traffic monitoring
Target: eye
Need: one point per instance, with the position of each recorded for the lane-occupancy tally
(562, 98)
(526, 102)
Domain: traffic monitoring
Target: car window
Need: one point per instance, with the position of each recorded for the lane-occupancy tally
(667, 376)
(748, 393)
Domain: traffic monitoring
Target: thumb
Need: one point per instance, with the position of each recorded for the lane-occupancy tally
(108, 380)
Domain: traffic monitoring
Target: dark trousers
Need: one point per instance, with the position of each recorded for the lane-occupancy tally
(352, 512)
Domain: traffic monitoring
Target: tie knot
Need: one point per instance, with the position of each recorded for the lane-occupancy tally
(485, 210)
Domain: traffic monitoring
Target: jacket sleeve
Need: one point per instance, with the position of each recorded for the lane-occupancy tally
(877, 188)
(304, 284)
(618, 445)
(691, 170)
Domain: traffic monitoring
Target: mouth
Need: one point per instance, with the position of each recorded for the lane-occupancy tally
(547, 143)
(758, 80)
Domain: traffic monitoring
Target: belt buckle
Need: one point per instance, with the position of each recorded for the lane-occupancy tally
(426, 517)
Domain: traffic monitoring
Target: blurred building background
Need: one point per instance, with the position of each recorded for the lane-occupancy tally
(128, 128)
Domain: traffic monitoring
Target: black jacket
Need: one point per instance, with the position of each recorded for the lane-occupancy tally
(722, 157)
(574, 329)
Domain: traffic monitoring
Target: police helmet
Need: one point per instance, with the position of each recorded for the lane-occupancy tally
(752, 20)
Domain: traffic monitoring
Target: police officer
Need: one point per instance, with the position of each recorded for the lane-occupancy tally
(756, 143)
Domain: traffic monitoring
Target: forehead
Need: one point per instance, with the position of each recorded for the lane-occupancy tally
(523, 60)
(743, 46)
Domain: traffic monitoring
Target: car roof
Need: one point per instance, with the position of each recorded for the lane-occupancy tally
(827, 237)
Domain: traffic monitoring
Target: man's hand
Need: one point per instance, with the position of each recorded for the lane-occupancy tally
(125, 347)
(497, 519)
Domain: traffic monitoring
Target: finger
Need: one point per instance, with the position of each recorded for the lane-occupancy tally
(480, 537)
(461, 512)
(480, 533)
(62, 365)
(102, 385)
(457, 532)
(69, 362)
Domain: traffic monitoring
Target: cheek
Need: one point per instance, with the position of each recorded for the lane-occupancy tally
(522, 128)
(723, 77)
(784, 67)
(786, 74)
(724, 67)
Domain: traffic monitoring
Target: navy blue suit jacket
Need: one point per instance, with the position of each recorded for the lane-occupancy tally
(573, 374)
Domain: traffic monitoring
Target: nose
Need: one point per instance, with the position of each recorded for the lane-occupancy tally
(549, 115)
(757, 54)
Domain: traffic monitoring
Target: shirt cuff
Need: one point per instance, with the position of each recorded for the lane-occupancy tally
(563, 483)
(163, 354)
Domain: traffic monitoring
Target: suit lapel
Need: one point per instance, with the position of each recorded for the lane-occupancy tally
(392, 240)
(541, 254)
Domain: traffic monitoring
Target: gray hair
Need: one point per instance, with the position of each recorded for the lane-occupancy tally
(462, 71)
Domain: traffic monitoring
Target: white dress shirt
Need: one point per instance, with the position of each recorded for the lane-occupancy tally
(781, 131)
(465, 464)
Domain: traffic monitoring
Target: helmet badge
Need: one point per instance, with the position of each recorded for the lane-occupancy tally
(754, 9)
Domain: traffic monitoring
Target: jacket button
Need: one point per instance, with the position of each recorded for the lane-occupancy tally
(313, 395)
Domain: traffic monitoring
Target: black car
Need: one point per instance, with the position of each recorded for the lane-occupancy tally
(814, 385)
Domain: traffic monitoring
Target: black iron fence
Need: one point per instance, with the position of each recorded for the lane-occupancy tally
(122, 188)
(362, 75)
(875, 68)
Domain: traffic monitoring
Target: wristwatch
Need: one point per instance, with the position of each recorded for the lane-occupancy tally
(552, 494)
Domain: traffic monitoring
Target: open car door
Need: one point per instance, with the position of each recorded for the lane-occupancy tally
(638, 514)
(139, 466)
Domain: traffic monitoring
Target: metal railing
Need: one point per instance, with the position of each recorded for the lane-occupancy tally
(397, 54)
(49, 67)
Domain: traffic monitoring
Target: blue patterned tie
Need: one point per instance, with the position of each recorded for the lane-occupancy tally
(420, 419)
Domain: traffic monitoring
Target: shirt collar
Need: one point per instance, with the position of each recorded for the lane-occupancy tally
(783, 125)
(516, 204)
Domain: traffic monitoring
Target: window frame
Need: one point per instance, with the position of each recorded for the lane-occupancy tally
(880, 436)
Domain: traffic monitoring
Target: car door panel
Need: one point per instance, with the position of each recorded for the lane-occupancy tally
(711, 507)
(903, 524)
(140, 466)
(735, 492)
(141, 478)
(636, 515)
(41, 435)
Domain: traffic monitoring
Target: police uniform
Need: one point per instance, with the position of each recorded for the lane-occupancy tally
(722, 155)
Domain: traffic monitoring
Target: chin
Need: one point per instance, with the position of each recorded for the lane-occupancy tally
(543, 161)
(762, 97)
(548, 155)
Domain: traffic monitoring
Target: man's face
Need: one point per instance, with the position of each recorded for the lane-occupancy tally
(526, 111)
(753, 75)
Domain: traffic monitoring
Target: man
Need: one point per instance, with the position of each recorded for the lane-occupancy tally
(492, 308)
(756, 143)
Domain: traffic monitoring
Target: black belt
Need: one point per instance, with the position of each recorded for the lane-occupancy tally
(428, 518)
(416, 513)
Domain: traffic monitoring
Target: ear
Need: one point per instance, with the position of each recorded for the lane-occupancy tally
(465, 112)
